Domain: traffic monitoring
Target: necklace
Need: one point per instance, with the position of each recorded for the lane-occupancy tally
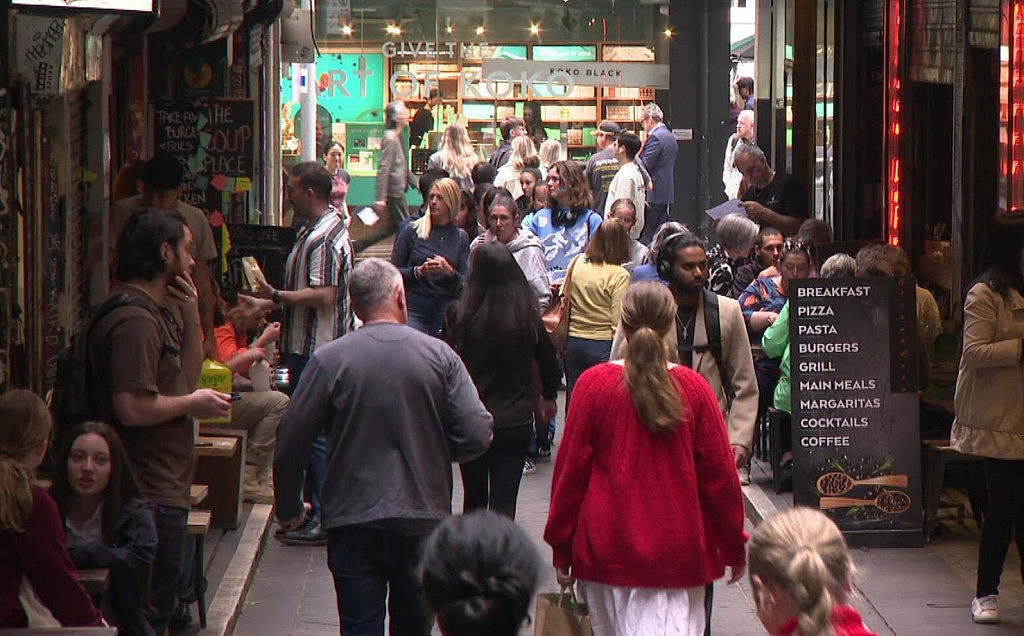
(684, 326)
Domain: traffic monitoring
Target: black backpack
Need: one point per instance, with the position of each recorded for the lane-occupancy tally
(714, 345)
(72, 400)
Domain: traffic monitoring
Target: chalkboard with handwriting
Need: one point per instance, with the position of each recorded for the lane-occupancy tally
(215, 142)
(269, 244)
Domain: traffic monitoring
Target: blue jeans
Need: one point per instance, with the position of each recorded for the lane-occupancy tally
(317, 466)
(368, 563)
(426, 313)
(580, 355)
(171, 534)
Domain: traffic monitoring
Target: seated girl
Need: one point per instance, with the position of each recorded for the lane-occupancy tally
(108, 525)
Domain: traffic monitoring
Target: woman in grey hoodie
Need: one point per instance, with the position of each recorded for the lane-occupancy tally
(503, 225)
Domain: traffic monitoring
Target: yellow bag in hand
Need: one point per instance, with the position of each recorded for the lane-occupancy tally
(216, 376)
(561, 614)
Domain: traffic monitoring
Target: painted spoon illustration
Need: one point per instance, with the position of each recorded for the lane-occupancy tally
(840, 483)
(890, 501)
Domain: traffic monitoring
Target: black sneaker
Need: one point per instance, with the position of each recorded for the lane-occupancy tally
(309, 533)
(544, 454)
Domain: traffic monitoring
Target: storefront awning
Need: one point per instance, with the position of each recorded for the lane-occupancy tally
(743, 48)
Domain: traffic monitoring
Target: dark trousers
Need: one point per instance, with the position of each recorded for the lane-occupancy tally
(491, 481)
(580, 355)
(767, 378)
(370, 565)
(657, 215)
(1005, 520)
(398, 209)
(168, 563)
(316, 469)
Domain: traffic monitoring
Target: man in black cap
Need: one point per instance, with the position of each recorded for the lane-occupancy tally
(602, 165)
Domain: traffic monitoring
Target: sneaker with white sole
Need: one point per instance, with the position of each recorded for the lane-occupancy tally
(529, 468)
(985, 609)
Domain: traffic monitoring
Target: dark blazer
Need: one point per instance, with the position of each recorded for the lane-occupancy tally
(659, 156)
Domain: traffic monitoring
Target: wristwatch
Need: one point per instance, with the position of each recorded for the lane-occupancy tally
(276, 297)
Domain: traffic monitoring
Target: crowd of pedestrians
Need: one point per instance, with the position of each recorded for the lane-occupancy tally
(665, 374)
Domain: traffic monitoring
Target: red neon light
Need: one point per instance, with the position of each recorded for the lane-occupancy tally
(894, 208)
(1012, 108)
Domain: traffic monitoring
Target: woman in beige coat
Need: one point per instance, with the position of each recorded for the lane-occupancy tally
(990, 401)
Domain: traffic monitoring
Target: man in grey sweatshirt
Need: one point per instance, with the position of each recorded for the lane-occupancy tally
(398, 407)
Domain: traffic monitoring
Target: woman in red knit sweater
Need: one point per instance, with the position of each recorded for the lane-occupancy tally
(629, 516)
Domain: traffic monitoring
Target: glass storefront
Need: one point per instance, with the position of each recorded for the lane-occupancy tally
(487, 62)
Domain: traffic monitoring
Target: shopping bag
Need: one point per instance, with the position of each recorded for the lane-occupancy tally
(561, 614)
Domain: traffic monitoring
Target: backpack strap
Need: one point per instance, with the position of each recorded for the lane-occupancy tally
(713, 325)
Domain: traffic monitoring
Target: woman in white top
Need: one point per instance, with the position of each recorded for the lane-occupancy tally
(456, 155)
(523, 151)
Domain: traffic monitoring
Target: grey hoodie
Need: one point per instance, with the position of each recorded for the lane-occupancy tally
(527, 251)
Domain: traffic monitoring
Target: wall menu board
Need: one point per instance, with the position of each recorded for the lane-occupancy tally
(856, 440)
(269, 244)
(214, 141)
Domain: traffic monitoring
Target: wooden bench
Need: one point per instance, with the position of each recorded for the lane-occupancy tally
(197, 493)
(198, 525)
(94, 580)
(220, 463)
(935, 455)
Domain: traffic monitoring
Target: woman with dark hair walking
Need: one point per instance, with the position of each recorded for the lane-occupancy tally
(989, 401)
(498, 332)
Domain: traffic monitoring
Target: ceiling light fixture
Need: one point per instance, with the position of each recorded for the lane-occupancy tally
(347, 29)
(480, 30)
(534, 29)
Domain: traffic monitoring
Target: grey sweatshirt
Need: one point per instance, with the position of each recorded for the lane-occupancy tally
(527, 251)
(398, 407)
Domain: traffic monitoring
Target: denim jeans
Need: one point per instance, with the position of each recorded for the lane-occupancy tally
(491, 481)
(580, 355)
(317, 466)
(1005, 521)
(171, 533)
(426, 313)
(369, 566)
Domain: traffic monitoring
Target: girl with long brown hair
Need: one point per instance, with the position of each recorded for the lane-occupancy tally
(629, 516)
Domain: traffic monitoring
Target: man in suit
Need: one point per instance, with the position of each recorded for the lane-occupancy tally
(393, 174)
(659, 157)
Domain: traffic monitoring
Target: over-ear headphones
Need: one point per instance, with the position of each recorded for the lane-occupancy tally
(666, 254)
(563, 217)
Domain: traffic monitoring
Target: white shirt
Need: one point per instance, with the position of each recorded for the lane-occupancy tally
(628, 183)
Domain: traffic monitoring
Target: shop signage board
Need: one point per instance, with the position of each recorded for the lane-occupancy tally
(214, 141)
(268, 244)
(578, 73)
(350, 87)
(856, 439)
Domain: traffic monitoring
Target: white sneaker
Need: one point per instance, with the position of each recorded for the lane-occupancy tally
(985, 609)
(744, 475)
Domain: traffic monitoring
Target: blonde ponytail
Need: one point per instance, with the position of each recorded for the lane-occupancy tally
(25, 426)
(648, 312)
(802, 551)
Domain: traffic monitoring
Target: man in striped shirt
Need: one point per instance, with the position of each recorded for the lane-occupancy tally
(315, 302)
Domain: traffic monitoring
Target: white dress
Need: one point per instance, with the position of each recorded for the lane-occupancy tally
(640, 611)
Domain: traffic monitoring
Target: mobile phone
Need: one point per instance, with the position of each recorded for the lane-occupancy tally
(234, 396)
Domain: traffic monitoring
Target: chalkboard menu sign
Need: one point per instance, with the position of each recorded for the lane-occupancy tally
(856, 441)
(214, 141)
(269, 244)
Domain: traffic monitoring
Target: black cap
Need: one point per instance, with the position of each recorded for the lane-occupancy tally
(609, 127)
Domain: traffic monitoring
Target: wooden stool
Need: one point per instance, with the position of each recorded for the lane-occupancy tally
(198, 526)
(935, 455)
(220, 463)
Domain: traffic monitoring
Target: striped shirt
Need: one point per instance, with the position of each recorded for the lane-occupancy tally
(322, 256)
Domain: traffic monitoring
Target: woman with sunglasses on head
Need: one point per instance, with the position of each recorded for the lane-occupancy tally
(108, 524)
(38, 581)
(761, 303)
(432, 253)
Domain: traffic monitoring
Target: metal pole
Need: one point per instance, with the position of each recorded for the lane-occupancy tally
(272, 130)
(308, 133)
